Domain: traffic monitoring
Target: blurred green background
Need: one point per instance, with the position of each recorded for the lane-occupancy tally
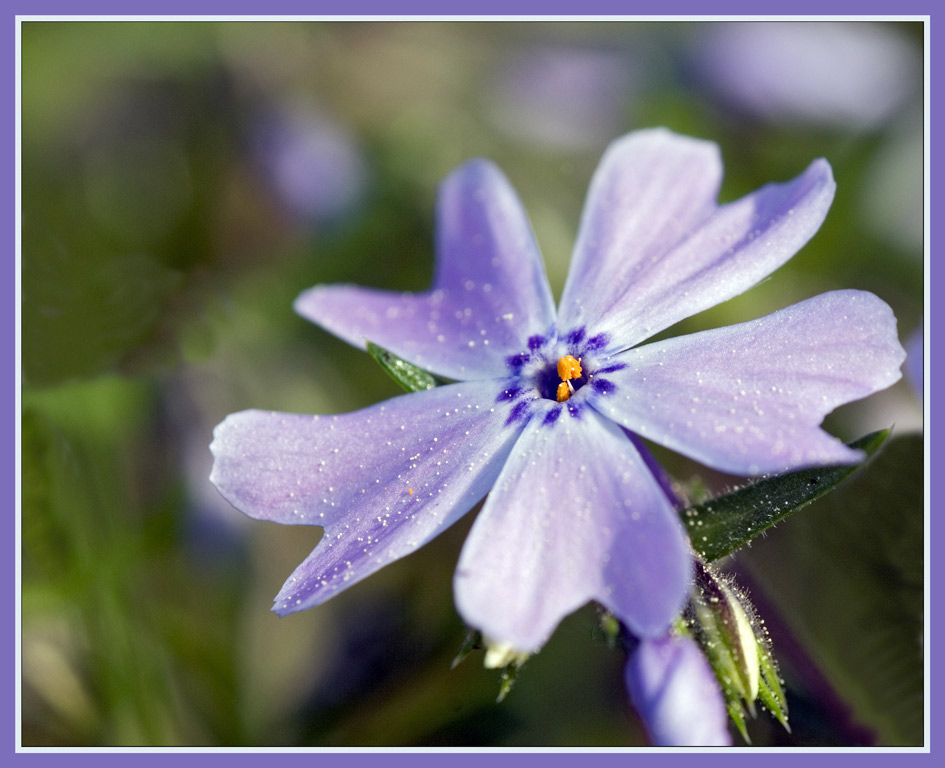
(182, 182)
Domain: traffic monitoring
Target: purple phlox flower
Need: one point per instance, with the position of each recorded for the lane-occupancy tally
(835, 74)
(675, 693)
(573, 514)
(312, 163)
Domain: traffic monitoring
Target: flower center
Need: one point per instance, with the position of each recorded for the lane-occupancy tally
(569, 368)
(555, 367)
(543, 373)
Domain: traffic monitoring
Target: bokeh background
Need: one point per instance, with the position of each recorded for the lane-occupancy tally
(182, 182)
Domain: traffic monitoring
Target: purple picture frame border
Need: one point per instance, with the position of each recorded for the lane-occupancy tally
(498, 9)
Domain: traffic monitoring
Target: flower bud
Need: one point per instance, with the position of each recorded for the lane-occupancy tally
(724, 623)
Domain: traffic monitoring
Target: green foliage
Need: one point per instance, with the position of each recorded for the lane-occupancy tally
(862, 612)
(85, 553)
(728, 522)
(410, 377)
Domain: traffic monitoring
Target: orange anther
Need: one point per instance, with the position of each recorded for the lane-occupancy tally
(569, 368)
(564, 392)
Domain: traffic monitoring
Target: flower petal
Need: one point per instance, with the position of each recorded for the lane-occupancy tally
(653, 248)
(382, 481)
(574, 516)
(748, 398)
(673, 689)
(490, 292)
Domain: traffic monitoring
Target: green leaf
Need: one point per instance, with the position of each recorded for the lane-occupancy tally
(728, 522)
(410, 377)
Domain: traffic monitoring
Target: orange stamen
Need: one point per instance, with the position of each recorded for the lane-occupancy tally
(569, 368)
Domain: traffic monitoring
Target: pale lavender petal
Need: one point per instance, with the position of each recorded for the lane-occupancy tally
(490, 293)
(915, 362)
(575, 516)
(382, 481)
(649, 191)
(673, 689)
(653, 248)
(748, 398)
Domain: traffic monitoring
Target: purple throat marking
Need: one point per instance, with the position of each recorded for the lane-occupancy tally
(535, 375)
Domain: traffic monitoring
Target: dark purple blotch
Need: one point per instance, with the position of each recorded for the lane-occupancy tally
(596, 342)
(536, 342)
(509, 393)
(515, 362)
(519, 412)
(576, 336)
(610, 368)
(602, 386)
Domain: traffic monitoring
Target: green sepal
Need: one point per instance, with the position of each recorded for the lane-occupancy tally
(770, 693)
(509, 673)
(722, 620)
(609, 629)
(410, 377)
(727, 635)
(472, 642)
(726, 523)
(736, 714)
(734, 704)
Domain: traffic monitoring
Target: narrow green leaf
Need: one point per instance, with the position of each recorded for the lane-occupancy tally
(726, 523)
(410, 377)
